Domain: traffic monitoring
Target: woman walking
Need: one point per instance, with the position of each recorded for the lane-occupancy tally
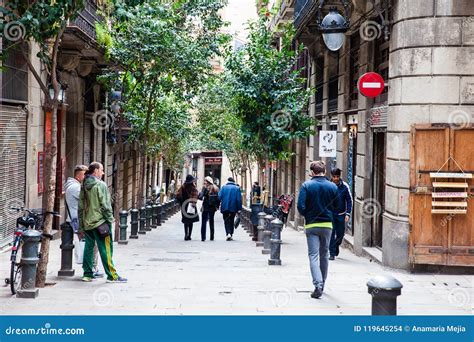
(210, 203)
(187, 197)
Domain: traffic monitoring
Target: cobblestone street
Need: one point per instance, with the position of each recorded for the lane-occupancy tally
(170, 276)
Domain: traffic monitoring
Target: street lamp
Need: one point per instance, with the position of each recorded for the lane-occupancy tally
(62, 93)
(334, 26)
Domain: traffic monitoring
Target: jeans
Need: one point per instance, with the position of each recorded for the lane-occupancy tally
(188, 230)
(339, 225)
(318, 252)
(207, 215)
(229, 218)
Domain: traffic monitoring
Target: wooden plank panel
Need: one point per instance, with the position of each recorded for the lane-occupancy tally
(449, 195)
(449, 204)
(450, 175)
(448, 211)
(461, 233)
(449, 185)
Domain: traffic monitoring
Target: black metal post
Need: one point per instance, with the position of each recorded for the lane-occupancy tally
(142, 221)
(29, 261)
(123, 215)
(134, 224)
(384, 290)
(67, 245)
(275, 240)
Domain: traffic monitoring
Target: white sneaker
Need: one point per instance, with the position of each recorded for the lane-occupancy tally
(229, 237)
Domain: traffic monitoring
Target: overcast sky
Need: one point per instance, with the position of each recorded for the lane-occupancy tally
(237, 13)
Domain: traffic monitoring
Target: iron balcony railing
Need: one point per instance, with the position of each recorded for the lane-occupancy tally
(303, 8)
(87, 19)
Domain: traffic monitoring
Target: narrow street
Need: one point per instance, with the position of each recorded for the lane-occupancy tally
(170, 276)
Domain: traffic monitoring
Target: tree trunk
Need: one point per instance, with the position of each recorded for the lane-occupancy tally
(49, 169)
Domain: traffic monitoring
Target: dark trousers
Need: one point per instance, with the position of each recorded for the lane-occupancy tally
(188, 230)
(207, 215)
(229, 218)
(339, 228)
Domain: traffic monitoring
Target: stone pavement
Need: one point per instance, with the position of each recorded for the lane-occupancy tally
(170, 276)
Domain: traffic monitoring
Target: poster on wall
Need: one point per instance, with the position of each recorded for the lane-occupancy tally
(327, 144)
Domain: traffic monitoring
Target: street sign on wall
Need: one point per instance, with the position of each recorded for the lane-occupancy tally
(327, 144)
(371, 84)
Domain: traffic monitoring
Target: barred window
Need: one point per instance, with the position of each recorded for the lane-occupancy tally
(14, 75)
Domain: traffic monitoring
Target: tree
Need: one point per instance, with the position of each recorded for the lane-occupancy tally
(164, 49)
(269, 95)
(41, 23)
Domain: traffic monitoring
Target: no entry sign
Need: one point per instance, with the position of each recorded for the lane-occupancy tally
(371, 84)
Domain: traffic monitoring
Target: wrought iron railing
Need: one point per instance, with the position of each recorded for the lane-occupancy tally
(87, 19)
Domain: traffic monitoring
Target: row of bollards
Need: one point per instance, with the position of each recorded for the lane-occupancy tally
(265, 230)
(142, 221)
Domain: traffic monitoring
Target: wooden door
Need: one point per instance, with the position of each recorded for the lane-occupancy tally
(434, 238)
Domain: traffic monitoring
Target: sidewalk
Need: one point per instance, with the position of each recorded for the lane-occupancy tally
(170, 276)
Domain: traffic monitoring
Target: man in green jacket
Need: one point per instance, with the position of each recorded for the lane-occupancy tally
(95, 209)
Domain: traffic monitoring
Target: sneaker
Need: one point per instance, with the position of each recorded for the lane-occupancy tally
(229, 237)
(332, 257)
(98, 274)
(317, 293)
(118, 280)
(87, 279)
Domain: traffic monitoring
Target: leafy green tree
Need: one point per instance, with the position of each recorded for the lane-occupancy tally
(162, 48)
(41, 23)
(269, 95)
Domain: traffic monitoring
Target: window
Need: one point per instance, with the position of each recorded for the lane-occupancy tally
(14, 76)
(319, 84)
(381, 59)
(333, 82)
(354, 70)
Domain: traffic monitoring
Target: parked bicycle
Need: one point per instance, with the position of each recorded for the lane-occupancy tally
(30, 219)
(282, 209)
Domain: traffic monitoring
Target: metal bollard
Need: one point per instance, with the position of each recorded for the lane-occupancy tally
(267, 233)
(275, 240)
(148, 209)
(162, 212)
(29, 261)
(384, 290)
(260, 228)
(158, 215)
(134, 224)
(154, 216)
(123, 215)
(142, 221)
(67, 245)
(256, 208)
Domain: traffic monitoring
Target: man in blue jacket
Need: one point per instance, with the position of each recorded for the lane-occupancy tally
(316, 202)
(231, 203)
(342, 214)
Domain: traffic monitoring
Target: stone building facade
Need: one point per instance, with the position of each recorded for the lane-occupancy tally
(424, 50)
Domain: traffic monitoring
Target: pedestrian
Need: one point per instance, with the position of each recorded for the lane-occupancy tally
(95, 221)
(187, 197)
(72, 189)
(210, 203)
(256, 192)
(342, 214)
(316, 202)
(231, 204)
(172, 189)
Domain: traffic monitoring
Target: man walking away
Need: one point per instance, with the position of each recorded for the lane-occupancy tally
(316, 202)
(210, 202)
(95, 220)
(72, 191)
(342, 214)
(231, 203)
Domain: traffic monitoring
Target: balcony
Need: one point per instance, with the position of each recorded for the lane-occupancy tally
(303, 9)
(284, 15)
(86, 20)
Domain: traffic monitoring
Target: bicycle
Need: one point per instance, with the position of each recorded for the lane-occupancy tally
(31, 219)
(282, 209)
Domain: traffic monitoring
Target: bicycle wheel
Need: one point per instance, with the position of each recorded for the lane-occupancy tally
(15, 273)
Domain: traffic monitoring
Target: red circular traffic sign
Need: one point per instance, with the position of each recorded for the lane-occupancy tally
(371, 84)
